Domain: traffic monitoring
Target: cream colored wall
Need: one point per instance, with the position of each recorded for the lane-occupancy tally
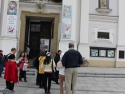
(102, 63)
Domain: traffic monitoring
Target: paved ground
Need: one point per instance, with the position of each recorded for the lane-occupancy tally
(86, 85)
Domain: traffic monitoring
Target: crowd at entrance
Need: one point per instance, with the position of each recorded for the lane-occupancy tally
(63, 68)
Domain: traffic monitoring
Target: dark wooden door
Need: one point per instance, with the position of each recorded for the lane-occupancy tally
(34, 44)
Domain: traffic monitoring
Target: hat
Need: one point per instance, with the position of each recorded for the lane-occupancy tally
(1, 51)
(42, 53)
(12, 56)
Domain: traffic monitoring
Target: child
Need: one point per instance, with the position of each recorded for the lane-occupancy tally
(11, 72)
(12, 10)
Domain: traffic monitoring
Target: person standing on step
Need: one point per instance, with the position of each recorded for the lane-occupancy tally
(72, 59)
(57, 59)
(41, 58)
(1, 65)
(22, 60)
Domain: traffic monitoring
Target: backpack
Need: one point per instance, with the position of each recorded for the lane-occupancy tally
(5, 59)
(35, 62)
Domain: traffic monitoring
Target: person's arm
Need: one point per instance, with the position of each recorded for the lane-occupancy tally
(64, 59)
(80, 59)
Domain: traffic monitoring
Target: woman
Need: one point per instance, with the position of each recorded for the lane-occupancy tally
(61, 74)
(41, 58)
(11, 72)
(47, 65)
(1, 65)
(22, 60)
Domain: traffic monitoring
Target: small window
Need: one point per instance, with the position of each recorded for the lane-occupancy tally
(121, 54)
(35, 27)
(103, 35)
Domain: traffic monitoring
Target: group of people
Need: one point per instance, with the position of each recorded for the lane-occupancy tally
(63, 66)
(11, 67)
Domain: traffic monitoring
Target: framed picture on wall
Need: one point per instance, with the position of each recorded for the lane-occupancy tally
(44, 44)
(94, 52)
(102, 53)
(110, 53)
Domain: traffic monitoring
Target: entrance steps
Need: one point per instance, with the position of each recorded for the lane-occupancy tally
(32, 72)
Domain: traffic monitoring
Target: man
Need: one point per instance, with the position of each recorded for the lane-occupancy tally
(57, 59)
(72, 59)
(1, 65)
(27, 51)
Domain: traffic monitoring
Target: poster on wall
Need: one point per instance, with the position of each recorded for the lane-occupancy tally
(111, 53)
(44, 44)
(11, 17)
(102, 53)
(94, 52)
(66, 22)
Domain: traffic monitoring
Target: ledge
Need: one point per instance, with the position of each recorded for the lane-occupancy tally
(103, 11)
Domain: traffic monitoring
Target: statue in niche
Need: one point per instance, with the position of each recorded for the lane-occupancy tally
(103, 4)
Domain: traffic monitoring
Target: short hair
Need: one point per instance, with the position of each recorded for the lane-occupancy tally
(12, 56)
(71, 45)
(13, 49)
(59, 51)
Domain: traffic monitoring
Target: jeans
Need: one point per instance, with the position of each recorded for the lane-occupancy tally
(22, 75)
(47, 79)
(9, 85)
(62, 79)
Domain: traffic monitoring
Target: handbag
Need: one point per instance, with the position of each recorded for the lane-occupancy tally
(7, 91)
(59, 64)
(53, 77)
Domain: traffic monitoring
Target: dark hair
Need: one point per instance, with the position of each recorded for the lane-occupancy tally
(21, 54)
(12, 56)
(47, 60)
(13, 49)
(42, 53)
(59, 51)
(14, 2)
(71, 45)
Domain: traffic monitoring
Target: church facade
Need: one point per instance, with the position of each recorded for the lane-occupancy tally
(95, 26)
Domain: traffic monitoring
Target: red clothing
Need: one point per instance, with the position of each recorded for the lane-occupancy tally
(11, 72)
(22, 63)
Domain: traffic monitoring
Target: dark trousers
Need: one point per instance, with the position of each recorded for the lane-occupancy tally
(57, 76)
(22, 75)
(41, 80)
(1, 69)
(47, 79)
(37, 78)
(9, 85)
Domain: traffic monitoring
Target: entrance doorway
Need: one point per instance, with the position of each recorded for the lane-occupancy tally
(39, 34)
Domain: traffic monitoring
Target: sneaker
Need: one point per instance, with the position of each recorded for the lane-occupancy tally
(49, 92)
(25, 81)
(46, 92)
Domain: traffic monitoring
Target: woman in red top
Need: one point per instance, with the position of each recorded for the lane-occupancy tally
(11, 72)
(22, 60)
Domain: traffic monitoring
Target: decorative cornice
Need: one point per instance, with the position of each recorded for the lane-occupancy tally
(33, 5)
(100, 18)
(103, 11)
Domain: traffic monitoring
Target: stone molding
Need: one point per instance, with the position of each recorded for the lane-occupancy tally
(98, 18)
(103, 11)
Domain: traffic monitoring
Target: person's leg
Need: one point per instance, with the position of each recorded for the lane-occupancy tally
(1, 69)
(37, 79)
(45, 82)
(7, 84)
(68, 78)
(24, 75)
(57, 76)
(74, 80)
(40, 80)
(61, 83)
(11, 86)
(49, 82)
(20, 75)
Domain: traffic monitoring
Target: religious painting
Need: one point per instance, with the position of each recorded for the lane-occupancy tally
(12, 7)
(44, 44)
(67, 11)
(103, 4)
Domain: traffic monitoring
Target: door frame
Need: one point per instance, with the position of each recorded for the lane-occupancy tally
(24, 14)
